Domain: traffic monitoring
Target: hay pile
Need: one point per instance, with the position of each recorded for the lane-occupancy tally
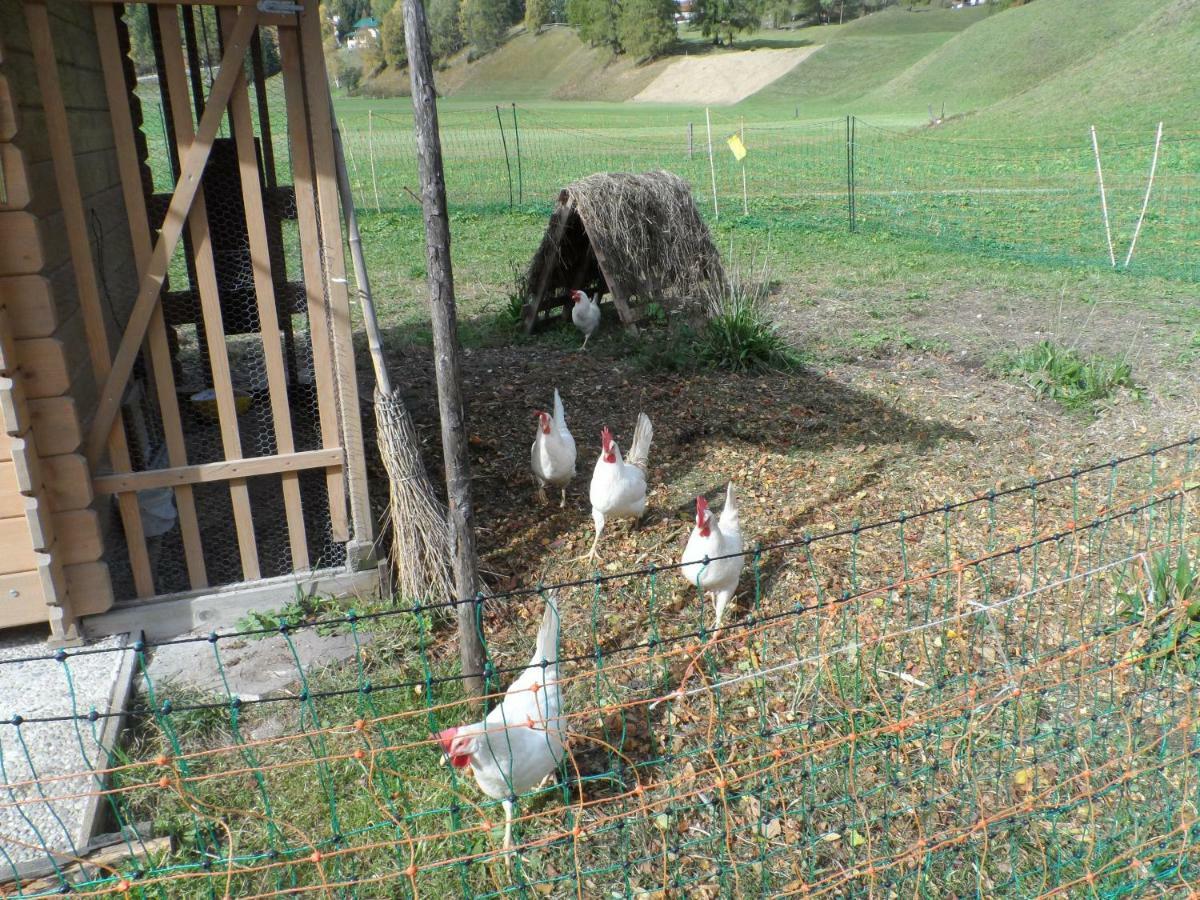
(644, 231)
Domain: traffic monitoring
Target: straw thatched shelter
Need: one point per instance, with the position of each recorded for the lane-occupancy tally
(631, 236)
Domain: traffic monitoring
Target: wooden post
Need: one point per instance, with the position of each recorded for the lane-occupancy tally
(712, 166)
(445, 342)
(691, 140)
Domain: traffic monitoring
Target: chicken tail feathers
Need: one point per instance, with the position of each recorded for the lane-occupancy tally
(639, 447)
(546, 650)
(729, 513)
(560, 414)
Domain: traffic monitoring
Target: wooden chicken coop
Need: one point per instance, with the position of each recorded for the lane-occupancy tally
(178, 396)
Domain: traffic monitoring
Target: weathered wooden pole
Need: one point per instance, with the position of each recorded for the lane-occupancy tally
(447, 366)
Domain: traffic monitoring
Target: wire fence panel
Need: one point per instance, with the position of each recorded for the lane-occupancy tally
(1027, 200)
(989, 697)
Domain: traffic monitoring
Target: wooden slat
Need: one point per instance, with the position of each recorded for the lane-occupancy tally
(22, 601)
(42, 368)
(29, 302)
(264, 289)
(14, 181)
(89, 586)
(14, 411)
(56, 427)
(314, 276)
(18, 555)
(11, 502)
(325, 167)
(206, 277)
(186, 189)
(139, 227)
(21, 251)
(87, 284)
(207, 473)
(8, 110)
(76, 537)
(67, 481)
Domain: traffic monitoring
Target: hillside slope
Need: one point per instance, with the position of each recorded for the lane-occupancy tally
(1007, 53)
(863, 55)
(552, 65)
(1147, 76)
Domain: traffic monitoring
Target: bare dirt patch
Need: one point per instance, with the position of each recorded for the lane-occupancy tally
(724, 78)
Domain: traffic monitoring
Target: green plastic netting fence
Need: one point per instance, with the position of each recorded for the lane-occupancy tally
(989, 697)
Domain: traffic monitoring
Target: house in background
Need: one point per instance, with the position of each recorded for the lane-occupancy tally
(364, 33)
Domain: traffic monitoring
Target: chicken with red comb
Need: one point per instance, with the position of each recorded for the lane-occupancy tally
(522, 740)
(585, 313)
(713, 560)
(552, 456)
(618, 488)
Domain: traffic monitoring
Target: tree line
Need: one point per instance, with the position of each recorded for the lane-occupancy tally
(641, 29)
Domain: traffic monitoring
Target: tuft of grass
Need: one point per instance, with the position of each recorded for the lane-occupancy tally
(1167, 604)
(739, 335)
(1067, 376)
(877, 341)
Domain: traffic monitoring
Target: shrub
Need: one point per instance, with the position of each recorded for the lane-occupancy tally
(738, 334)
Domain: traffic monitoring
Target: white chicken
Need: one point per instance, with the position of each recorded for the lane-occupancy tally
(552, 455)
(711, 540)
(618, 489)
(585, 314)
(520, 743)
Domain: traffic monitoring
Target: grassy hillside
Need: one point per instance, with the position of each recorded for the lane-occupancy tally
(552, 65)
(1146, 76)
(863, 55)
(1005, 54)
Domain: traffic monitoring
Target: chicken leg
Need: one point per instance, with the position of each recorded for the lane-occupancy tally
(585, 340)
(563, 504)
(594, 553)
(508, 820)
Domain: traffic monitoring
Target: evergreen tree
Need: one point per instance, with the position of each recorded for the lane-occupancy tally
(722, 19)
(484, 23)
(597, 21)
(537, 13)
(647, 27)
(445, 31)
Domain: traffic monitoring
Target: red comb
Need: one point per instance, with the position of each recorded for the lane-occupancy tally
(605, 438)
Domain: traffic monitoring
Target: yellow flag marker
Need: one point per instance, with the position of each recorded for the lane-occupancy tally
(738, 148)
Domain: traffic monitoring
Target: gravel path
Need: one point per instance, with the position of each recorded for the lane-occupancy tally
(45, 750)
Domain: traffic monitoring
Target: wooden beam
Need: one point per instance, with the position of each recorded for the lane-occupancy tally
(139, 233)
(207, 473)
(329, 208)
(314, 277)
(172, 229)
(206, 283)
(86, 282)
(268, 316)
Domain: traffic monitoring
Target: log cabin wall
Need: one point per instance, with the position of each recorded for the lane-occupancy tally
(52, 568)
(179, 383)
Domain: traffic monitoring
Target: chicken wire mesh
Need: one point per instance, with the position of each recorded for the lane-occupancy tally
(989, 697)
(241, 347)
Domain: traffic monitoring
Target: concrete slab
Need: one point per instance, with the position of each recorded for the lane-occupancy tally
(34, 818)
